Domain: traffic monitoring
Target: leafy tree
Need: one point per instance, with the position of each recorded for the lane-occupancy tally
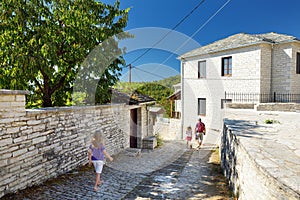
(44, 42)
(129, 87)
(158, 92)
(170, 81)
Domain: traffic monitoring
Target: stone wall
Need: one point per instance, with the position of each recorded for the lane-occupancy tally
(240, 105)
(286, 107)
(247, 179)
(169, 130)
(149, 142)
(282, 68)
(36, 145)
(12, 103)
(284, 77)
(161, 129)
(266, 57)
(175, 129)
(295, 78)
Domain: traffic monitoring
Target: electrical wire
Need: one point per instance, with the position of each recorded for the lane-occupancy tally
(180, 22)
(137, 74)
(150, 73)
(198, 30)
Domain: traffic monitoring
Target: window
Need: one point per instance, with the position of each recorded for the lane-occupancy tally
(224, 101)
(227, 66)
(202, 69)
(298, 63)
(201, 106)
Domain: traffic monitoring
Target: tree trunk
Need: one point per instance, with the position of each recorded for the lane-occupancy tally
(47, 100)
(47, 93)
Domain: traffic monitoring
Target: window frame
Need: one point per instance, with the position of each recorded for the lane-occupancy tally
(228, 67)
(200, 75)
(224, 101)
(199, 109)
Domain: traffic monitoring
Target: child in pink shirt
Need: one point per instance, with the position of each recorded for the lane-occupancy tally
(188, 134)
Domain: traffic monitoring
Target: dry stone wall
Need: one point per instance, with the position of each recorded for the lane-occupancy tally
(247, 179)
(169, 129)
(286, 107)
(36, 145)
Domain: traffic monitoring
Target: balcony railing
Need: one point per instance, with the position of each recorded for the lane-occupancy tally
(262, 97)
(176, 115)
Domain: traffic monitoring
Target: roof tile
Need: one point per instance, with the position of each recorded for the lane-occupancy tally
(240, 40)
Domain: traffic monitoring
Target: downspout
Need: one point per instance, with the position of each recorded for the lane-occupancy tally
(272, 63)
(147, 117)
(182, 95)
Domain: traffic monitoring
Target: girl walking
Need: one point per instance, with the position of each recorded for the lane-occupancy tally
(96, 155)
(189, 133)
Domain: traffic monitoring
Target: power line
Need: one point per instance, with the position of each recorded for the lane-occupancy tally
(134, 67)
(180, 22)
(138, 76)
(150, 73)
(199, 29)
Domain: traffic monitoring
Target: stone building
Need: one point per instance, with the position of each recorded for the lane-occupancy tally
(248, 64)
(175, 100)
(140, 124)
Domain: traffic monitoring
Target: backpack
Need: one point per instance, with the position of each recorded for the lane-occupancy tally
(200, 127)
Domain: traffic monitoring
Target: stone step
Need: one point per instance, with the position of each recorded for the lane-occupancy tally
(133, 152)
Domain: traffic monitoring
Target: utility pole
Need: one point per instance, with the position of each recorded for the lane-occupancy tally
(129, 73)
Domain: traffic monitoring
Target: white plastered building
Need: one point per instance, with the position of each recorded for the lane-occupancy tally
(248, 64)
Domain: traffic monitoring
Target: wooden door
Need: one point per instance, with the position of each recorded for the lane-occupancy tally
(133, 128)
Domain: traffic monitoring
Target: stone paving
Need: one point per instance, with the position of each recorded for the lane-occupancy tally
(274, 147)
(169, 172)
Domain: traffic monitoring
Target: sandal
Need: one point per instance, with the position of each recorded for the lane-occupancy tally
(101, 182)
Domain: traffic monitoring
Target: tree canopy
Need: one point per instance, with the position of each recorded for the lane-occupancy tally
(159, 90)
(44, 42)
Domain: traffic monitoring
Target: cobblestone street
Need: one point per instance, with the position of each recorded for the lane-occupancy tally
(169, 172)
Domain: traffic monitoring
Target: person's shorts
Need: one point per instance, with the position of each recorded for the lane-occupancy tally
(189, 138)
(98, 164)
(199, 136)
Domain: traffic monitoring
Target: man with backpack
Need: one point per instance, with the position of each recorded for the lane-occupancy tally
(199, 132)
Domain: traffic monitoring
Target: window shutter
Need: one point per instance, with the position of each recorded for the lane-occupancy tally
(202, 69)
(222, 67)
(201, 106)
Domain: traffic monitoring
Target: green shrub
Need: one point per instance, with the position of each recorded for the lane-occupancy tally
(159, 140)
(271, 121)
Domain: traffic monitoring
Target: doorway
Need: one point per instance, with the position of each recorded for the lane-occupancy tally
(133, 128)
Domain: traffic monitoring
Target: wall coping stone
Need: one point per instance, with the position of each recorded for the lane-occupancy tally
(288, 107)
(70, 108)
(13, 92)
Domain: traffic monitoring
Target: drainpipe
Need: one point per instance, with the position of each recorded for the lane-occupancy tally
(182, 95)
(272, 63)
(147, 121)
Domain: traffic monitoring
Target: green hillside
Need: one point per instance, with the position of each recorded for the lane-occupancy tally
(159, 90)
(169, 82)
(129, 87)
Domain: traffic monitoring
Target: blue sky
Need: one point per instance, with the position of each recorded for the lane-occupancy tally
(248, 16)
